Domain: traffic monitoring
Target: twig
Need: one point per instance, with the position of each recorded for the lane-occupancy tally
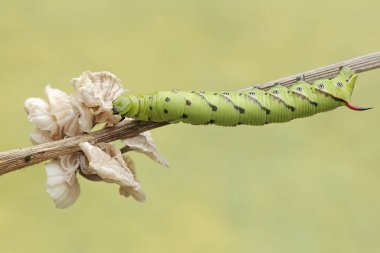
(23, 157)
(358, 65)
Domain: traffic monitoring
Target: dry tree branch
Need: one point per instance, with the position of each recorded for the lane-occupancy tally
(19, 158)
(358, 65)
(23, 157)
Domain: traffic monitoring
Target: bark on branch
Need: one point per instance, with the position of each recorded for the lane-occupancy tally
(23, 157)
(358, 65)
(19, 158)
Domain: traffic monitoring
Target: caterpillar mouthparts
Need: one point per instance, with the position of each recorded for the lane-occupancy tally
(115, 111)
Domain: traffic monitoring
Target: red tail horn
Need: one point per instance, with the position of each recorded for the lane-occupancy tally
(356, 108)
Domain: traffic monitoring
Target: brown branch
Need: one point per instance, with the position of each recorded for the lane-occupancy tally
(20, 158)
(23, 157)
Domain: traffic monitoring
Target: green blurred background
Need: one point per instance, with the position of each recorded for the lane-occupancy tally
(310, 185)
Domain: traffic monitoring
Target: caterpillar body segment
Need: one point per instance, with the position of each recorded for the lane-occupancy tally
(252, 107)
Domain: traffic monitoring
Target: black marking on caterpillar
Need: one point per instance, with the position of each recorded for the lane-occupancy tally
(292, 108)
(330, 96)
(304, 97)
(238, 108)
(254, 100)
(213, 107)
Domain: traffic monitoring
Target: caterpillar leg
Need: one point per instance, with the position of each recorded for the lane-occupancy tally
(300, 78)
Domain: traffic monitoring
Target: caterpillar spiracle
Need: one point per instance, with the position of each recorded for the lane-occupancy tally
(252, 107)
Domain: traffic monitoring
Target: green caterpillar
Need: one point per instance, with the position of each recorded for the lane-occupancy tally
(251, 107)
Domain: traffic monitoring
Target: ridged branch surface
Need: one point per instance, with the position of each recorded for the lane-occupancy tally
(358, 65)
(23, 157)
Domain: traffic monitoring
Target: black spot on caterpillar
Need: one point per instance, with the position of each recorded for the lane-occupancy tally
(252, 107)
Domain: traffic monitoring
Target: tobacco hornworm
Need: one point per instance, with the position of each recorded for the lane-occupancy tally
(252, 107)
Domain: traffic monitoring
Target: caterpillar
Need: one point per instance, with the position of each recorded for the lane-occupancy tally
(252, 107)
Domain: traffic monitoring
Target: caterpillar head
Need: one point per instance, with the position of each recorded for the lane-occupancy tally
(122, 105)
(340, 88)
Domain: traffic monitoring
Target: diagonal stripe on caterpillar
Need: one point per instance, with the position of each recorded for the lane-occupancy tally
(252, 107)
